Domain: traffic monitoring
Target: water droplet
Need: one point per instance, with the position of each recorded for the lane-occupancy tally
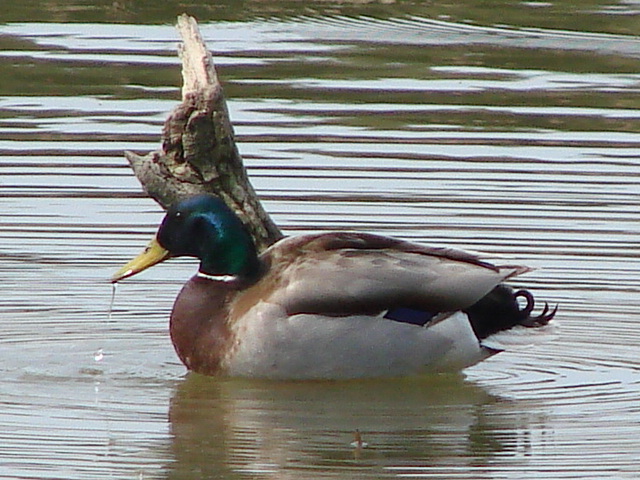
(98, 355)
(113, 299)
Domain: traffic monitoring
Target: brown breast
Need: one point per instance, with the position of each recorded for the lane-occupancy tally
(199, 328)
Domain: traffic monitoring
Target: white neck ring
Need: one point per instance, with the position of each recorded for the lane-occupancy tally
(217, 278)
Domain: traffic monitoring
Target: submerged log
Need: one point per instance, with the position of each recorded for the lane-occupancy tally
(199, 153)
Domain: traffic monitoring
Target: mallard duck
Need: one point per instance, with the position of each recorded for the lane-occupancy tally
(328, 305)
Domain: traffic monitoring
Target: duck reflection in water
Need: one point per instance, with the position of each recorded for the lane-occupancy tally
(221, 427)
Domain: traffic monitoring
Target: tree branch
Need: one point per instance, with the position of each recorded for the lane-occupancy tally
(199, 153)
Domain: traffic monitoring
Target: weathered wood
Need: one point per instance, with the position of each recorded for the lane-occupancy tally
(199, 153)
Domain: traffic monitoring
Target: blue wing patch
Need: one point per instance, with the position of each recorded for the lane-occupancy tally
(409, 315)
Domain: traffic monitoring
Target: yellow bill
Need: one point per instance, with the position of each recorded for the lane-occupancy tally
(153, 254)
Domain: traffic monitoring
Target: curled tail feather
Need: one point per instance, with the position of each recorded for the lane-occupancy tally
(500, 310)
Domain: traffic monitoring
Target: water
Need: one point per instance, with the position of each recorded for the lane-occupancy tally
(441, 124)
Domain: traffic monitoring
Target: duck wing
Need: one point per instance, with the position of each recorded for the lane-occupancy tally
(351, 273)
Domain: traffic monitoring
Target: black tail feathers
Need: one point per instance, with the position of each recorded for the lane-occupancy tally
(500, 310)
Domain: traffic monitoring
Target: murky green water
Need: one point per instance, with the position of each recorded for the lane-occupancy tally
(506, 127)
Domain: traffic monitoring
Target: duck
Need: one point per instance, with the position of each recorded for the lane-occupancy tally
(332, 305)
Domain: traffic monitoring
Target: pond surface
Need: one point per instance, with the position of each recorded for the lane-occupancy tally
(510, 128)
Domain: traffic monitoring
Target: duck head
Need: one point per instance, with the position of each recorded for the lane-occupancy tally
(202, 226)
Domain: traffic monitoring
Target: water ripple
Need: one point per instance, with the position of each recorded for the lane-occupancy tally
(538, 165)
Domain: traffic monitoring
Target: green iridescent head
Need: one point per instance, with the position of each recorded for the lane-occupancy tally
(202, 226)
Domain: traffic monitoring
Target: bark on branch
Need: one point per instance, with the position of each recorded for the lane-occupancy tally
(199, 153)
